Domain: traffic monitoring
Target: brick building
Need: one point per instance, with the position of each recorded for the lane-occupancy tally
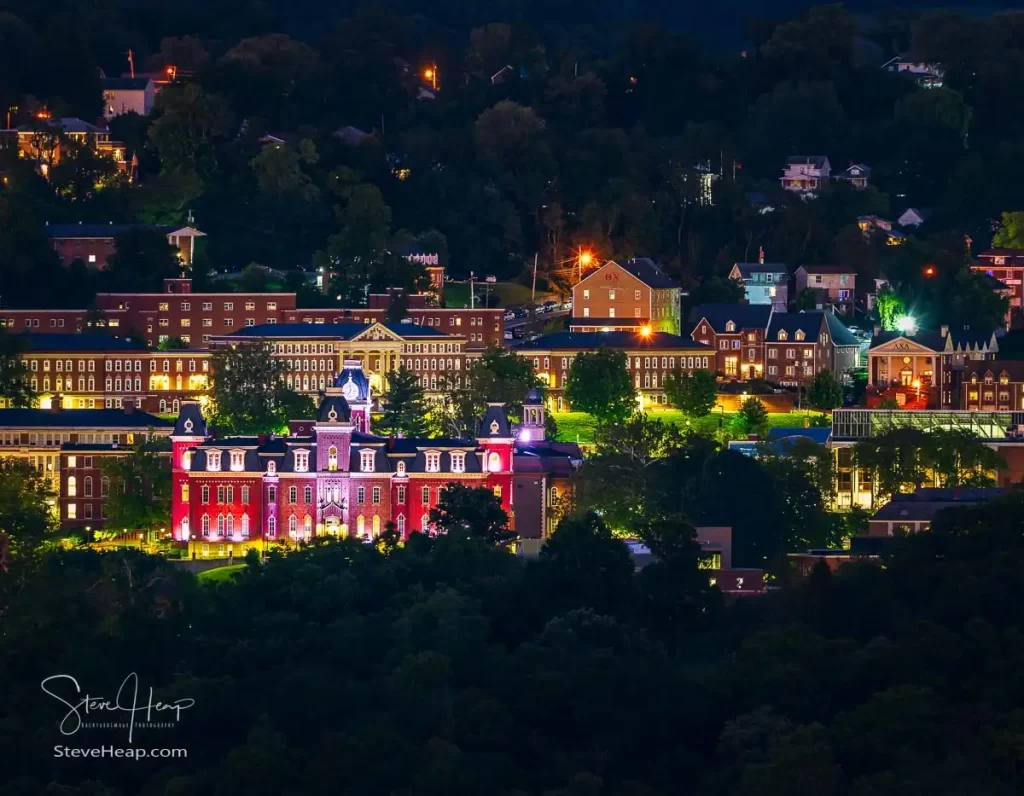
(799, 344)
(314, 353)
(94, 244)
(195, 318)
(620, 297)
(736, 333)
(94, 371)
(1006, 265)
(337, 479)
(66, 446)
(650, 358)
(992, 385)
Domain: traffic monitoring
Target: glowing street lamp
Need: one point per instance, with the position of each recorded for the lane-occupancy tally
(907, 323)
(430, 75)
(645, 331)
(584, 257)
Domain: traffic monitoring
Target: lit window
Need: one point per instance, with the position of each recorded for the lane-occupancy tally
(72, 511)
(302, 461)
(213, 461)
(494, 462)
(366, 461)
(332, 459)
(72, 486)
(459, 462)
(237, 461)
(401, 468)
(433, 459)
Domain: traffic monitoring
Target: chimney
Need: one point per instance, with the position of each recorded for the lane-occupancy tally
(944, 331)
(877, 330)
(56, 403)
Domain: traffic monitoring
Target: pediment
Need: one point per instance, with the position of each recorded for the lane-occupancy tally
(376, 332)
(902, 345)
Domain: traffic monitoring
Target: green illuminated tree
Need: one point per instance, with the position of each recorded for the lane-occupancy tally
(824, 392)
(752, 417)
(890, 308)
(1010, 234)
(599, 384)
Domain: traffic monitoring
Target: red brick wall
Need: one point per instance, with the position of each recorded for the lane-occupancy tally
(71, 249)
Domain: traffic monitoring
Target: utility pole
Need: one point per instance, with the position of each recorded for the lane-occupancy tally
(472, 294)
(533, 290)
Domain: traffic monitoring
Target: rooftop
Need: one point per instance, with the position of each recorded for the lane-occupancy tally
(125, 83)
(649, 272)
(44, 343)
(761, 268)
(584, 341)
(745, 316)
(80, 418)
(110, 230)
(827, 269)
(343, 331)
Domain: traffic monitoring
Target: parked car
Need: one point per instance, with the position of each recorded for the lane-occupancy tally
(509, 315)
(550, 306)
(519, 332)
(567, 305)
(508, 335)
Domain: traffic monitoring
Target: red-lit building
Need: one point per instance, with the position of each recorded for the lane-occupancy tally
(238, 492)
(1006, 265)
(94, 244)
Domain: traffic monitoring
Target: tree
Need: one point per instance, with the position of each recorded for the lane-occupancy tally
(14, 384)
(890, 308)
(278, 169)
(188, 124)
(1010, 234)
(806, 299)
(140, 487)
(824, 392)
(172, 343)
(248, 393)
(26, 519)
(752, 417)
(464, 512)
(693, 393)
(405, 406)
(599, 384)
(142, 259)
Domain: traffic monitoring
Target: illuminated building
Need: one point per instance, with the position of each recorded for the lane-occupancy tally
(624, 296)
(332, 477)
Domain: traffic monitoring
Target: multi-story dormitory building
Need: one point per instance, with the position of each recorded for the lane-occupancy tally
(197, 318)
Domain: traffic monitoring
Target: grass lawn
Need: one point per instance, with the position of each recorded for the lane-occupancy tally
(579, 426)
(220, 574)
(456, 294)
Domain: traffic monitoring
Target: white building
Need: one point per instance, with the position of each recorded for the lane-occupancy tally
(123, 95)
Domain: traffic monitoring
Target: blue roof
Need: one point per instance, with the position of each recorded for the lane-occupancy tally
(819, 435)
(344, 331)
(573, 341)
(99, 230)
(84, 418)
(745, 316)
(78, 342)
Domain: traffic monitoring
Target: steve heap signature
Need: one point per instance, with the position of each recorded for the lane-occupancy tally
(126, 702)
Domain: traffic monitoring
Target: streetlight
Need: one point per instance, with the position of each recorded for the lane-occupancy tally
(645, 331)
(430, 74)
(583, 258)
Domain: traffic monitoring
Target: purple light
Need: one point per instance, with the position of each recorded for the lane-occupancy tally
(524, 435)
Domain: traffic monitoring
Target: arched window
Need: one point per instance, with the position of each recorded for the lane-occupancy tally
(176, 406)
(307, 494)
(293, 524)
(272, 527)
(401, 468)
(307, 524)
(293, 494)
(271, 468)
(184, 528)
(245, 525)
(360, 525)
(206, 525)
(186, 460)
(376, 527)
(220, 524)
(332, 459)
(72, 486)
(401, 524)
(425, 523)
(104, 486)
(87, 486)
(493, 462)
(230, 524)
(163, 406)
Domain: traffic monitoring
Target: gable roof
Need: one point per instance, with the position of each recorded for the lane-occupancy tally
(1002, 252)
(590, 341)
(810, 324)
(649, 272)
(1014, 369)
(838, 331)
(745, 316)
(101, 230)
(863, 171)
(818, 161)
(746, 269)
(826, 269)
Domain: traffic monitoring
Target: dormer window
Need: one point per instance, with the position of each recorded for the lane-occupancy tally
(237, 461)
(302, 461)
(272, 468)
(988, 377)
(459, 462)
(433, 462)
(974, 378)
(366, 461)
(783, 335)
(730, 326)
(799, 334)
(1004, 378)
(401, 468)
(213, 461)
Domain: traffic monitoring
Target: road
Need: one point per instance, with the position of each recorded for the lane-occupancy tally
(541, 316)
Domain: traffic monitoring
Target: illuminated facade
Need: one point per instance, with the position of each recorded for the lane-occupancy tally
(333, 477)
(617, 297)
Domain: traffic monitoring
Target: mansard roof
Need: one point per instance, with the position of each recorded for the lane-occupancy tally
(190, 422)
(333, 409)
(494, 424)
